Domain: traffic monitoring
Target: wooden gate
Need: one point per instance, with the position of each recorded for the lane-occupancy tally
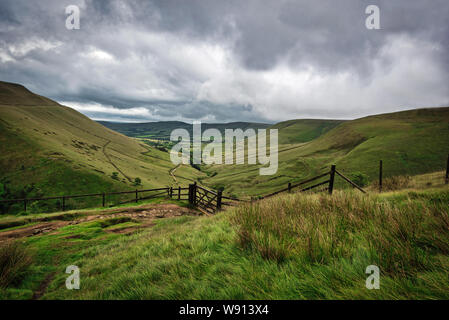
(207, 200)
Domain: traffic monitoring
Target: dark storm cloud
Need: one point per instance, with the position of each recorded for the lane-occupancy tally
(229, 60)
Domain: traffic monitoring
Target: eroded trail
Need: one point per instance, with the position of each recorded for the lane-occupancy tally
(143, 215)
(112, 163)
(172, 173)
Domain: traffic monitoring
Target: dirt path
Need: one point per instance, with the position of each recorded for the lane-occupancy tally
(112, 163)
(43, 286)
(172, 173)
(144, 215)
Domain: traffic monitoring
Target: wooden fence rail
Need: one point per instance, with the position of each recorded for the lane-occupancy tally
(329, 182)
(208, 200)
(103, 196)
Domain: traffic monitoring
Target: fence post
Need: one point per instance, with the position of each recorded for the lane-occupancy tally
(331, 179)
(63, 203)
(289, 187)
(194, 193)
(447, 170)
(219, 195)
(25, 204)
(171, 192)
(137, 196)
(190, 194)
(179, 193)
(380, 176)
(103, 199)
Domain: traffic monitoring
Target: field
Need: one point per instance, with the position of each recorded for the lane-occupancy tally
(293, 246)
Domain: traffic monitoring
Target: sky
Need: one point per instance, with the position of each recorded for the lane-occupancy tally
(233, 60)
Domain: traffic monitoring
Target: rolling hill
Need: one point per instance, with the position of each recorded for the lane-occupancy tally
(303, 130)
(409, 142)
(50, 149)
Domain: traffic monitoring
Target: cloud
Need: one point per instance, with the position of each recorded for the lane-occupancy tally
(229, 60)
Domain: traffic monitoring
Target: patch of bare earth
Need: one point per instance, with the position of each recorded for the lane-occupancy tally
(145, 215)
(43, 287)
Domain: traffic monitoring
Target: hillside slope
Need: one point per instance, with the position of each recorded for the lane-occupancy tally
(50, 149)
(408, 142)
(303, 130)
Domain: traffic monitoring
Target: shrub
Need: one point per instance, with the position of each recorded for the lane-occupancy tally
(14, 262)
(137, 181)
(218, 187)
(114, 175)
(359, 178)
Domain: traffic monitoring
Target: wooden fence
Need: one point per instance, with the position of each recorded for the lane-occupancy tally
(328, 183)
(154, 193)
(210, 201)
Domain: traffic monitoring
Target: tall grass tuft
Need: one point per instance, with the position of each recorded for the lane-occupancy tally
(394, 183)
(14, 262)
(402, 238)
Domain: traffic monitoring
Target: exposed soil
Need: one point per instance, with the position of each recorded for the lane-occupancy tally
(32, 230)
(43, 287)
(144, 215)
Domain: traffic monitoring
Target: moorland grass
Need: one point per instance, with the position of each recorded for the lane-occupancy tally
(15, 261)
(294, 246)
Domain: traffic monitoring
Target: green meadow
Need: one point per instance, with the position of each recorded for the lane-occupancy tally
(294, 246)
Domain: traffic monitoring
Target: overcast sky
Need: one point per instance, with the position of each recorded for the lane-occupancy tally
(222, 61)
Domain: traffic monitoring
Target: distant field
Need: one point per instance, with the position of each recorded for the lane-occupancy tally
(161, 130)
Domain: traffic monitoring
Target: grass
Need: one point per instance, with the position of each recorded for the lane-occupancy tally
(14, 263)
(295, 246)
(303, 130)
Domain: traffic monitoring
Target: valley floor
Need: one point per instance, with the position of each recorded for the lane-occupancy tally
(294, 246)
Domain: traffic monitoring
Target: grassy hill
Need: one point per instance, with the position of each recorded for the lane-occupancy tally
(50, 149)
(303, 130)
(408, 142)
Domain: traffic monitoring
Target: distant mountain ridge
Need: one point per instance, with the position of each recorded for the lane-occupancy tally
(162, 129)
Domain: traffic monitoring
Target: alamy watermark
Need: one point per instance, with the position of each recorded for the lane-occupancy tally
(372, 22)
(73, 19)
(373, 280)
(72, 281)
(212, 153)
